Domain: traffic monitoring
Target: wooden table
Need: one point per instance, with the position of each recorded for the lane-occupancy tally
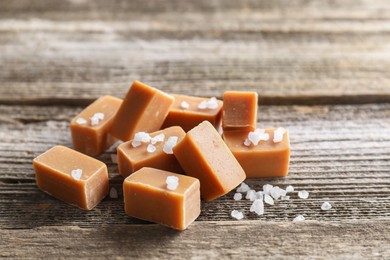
(321, 69)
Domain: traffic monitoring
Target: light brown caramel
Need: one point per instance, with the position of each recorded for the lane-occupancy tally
(239, 111)
(192, 116)
(131, 159)
(53, 173)
(203, 155)
(143, 109)
(267, 159)
(147, 197)
(94, 139)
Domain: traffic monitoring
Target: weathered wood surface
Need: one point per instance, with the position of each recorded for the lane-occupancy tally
(57, 56)
(58, 52)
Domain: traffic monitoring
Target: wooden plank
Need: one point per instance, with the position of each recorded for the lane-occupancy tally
(302, 53)
(205, 240)
(339, 154)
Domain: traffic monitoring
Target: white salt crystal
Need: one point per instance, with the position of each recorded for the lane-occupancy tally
(76, 174)
(326, 206)
(202, 105)
(172, 182)
(259, 195)
(184, 105)
(299, 218)
(243, 188)
(289, 188)
(142, 137)
(268, 199)
(303, 194)
(237, 196)
(267, 188)
(282, 192)
(278, 134)
(285, 198)
(113, 193)
(247, 142)
(237, 214)
(94, 121)
(276, 192)
(258, 135)
(257, 207)
(81, 121)
(251, 195)
(157, 138)
(151, 148)
(114, 158)
(169, 144)
(99, 116)
(135, 143)
(212, 103)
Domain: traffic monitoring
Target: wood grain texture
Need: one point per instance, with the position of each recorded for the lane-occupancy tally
(67, 52)
(219, 240)
(339, 154)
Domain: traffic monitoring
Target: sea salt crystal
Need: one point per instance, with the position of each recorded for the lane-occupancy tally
(169, 144)
(96, 118)
(326, 206)
(256, 136)
(299, 218)
(113, 193)
(237, 214)
(276, 192)
(135, 143)
(210, 104)
(251, 195)
(81, 121)
(157, 138)
(243, 188)
(267, 188)
(303, 194)
(151, 148)
(114, 158)
(99, 116)
(257, 207)
(142, 137)
(172, 182)
(278, 134)
(76, 174)
(184, 105)
(202, 105)
(268, 199)
(259, 195)
(247, 142)
(237, 196)
(289, 188)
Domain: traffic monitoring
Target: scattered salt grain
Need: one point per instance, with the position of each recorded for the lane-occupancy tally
(139, 138)
(256, 136)
(184, 105)
(99, 116)
(251, 195)
(76, 174)
(169, 144)
(267, 188)
(135, 143)
(157, 138)
(326, 206)
(151, 148)
(259, 195)
(257, 207)
(303, 194)
(210, 104)
(247, 142)
(268, 199)
(202, 105)
(278, 134)
(172, 182)
(81, 121)
(243, 188)
(96, 118)
(289, 188)
(114, 158)
(113, 193)
(237, 196)
(276, 192)
(299, 218)
(237, 214)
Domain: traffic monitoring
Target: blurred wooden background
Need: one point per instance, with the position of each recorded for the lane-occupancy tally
(320, 68)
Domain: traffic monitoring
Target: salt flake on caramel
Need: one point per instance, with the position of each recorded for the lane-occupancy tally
(76, 174)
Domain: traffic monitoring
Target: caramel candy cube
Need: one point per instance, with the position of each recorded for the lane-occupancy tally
(143, 109)
(188, 112)
(266, 159)
(203, 155)
(133, 156)
(90, 128)
(239, 111)
(71, 176)
(163, 197)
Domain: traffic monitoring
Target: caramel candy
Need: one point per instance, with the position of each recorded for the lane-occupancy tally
(266, 159)
(163, 197)
(188, 112)
(90, 128)
(131, 159)
(71, 176)
(239, 111)
(203, 155)
(143, 109)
